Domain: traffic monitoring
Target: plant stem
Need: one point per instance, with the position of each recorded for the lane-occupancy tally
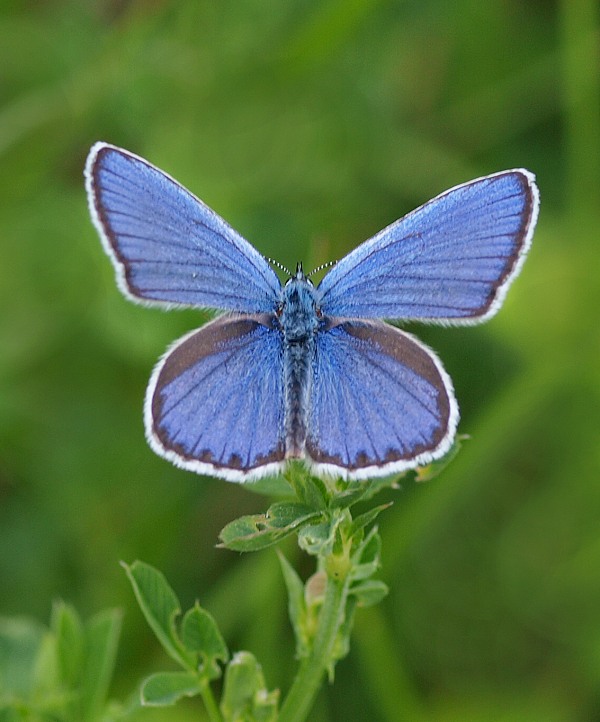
(209, 702)
(304, 689)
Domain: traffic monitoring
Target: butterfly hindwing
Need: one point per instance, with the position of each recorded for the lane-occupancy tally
(215, 401)
(451, 260)
(380, 402)
(167, 246)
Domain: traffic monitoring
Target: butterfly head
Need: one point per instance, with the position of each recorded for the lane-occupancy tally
(300, 275)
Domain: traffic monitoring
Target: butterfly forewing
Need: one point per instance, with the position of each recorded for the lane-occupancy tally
(451, 260)
(215, 402)
(380, 402)
(168, 246)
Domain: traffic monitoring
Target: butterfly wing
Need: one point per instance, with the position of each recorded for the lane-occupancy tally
(381, 402)
(451, 260)
(215, 404)
(166, 245)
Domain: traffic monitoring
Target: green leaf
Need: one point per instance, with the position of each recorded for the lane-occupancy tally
(286, 514)
(200, 634)
(68, 630)
(317, 539)
(296, 606)
(354, 492)
(369, 516)
(160, 606)
(243, 678)
(266, 706)
(309, 489)
(366, 559)
(102, 633)
(259, 531)
(245, 697)
(369, 592)
(341, 646)
(164, 689)
(370, 550)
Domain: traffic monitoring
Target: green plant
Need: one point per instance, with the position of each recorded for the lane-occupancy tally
(347, 550)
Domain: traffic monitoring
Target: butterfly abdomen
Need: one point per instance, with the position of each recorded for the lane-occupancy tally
(297, 382)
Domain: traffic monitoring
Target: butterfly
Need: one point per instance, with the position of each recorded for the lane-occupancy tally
(297, 371)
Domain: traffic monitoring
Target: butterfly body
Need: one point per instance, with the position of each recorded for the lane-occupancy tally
(294, 371)
(298, 321)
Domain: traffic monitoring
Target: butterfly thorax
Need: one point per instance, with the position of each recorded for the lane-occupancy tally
(299, 320)
(297, 312)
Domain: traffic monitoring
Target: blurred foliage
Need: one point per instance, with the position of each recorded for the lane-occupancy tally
(61, 673)
(309, 125)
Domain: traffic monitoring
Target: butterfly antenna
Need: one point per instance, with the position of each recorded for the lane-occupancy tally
(278, 265)
(321, 268)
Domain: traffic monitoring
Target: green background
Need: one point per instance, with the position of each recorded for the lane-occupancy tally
(309, 126)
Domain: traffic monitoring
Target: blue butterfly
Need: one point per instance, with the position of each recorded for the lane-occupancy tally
(295, 371)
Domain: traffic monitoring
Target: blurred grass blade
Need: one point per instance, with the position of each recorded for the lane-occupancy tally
(70, 641)
(20, 641)
(102, 633)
